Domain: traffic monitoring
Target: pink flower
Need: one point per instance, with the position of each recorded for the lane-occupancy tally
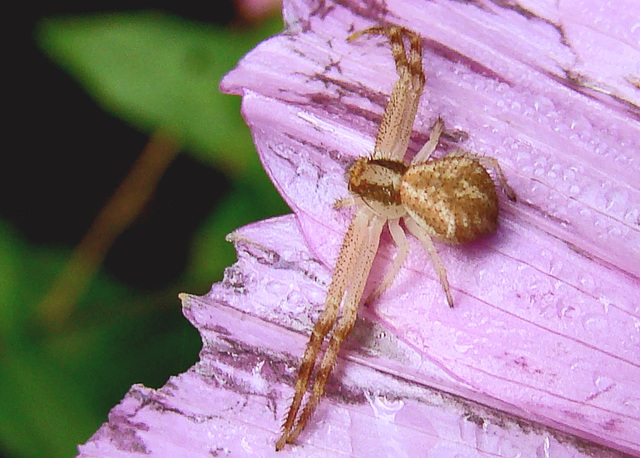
(541, 355)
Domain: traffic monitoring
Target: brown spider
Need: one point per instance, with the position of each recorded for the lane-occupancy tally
(452, 199)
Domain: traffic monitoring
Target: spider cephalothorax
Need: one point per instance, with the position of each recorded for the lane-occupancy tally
(452, 199)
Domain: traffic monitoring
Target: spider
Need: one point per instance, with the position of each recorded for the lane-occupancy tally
(452, 199)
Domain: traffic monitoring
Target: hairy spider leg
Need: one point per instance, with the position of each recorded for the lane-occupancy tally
(436, 261)
(346, 202)
(346, 264)
(400, 239)
(397, 122)
(345, 323)
(430, 146)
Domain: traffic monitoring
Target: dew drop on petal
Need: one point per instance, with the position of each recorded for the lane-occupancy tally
(632, 402)
(603, 383)
(383, 408)
(543, 105)
(543, 450)
(595, 323)
(277, 288)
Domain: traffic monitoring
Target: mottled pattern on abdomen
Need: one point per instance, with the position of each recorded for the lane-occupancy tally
(454, 198)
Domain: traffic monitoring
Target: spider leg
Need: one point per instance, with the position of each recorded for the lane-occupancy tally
(490, 162)
(400, 239)
(427, 150)
(346, 202)
(347, 263)
(395, 129)
(438, 266)
(358, 281)
(493, 163)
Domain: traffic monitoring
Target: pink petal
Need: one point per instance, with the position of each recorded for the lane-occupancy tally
(548, 309)
(254, 327)
(547, 319)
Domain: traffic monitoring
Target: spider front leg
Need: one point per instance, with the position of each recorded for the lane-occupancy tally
(397, 122)
(352, 269)
(346, 322)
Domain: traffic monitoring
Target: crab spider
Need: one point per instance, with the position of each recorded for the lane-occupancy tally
(452, 199)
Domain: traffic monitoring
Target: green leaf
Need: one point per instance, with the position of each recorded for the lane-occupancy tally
(57, 387)
(252, 200)
(43, 411)
(161, 72)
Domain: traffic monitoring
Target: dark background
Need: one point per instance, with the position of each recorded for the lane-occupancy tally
(63, 158)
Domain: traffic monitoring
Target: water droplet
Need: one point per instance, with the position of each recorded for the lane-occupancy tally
(567, 311)
(587, 282)
(543, 450)
(257, 368)
(616, 232)
(257, 381)
(569, 174)
(315, 295)
(632, 402)
(383, 408)
(508, 449)
(557, 266)
(603, 383)
(486, 437)
(462, 348)
(581, 124)
(596, 323)
(290, 299)
(605, 303)
(296, 298)
(246, 446)
(277, 288)
(543, 105)
(632, 217)
(553, 171)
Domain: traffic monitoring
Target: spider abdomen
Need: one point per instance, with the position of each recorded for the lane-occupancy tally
(453, 198)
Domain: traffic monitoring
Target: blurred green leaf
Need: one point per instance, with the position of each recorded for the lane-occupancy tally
(162, 72)
(249, 201)
(56, 388)
(42, 412)
(8, 284)
(25, 271)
